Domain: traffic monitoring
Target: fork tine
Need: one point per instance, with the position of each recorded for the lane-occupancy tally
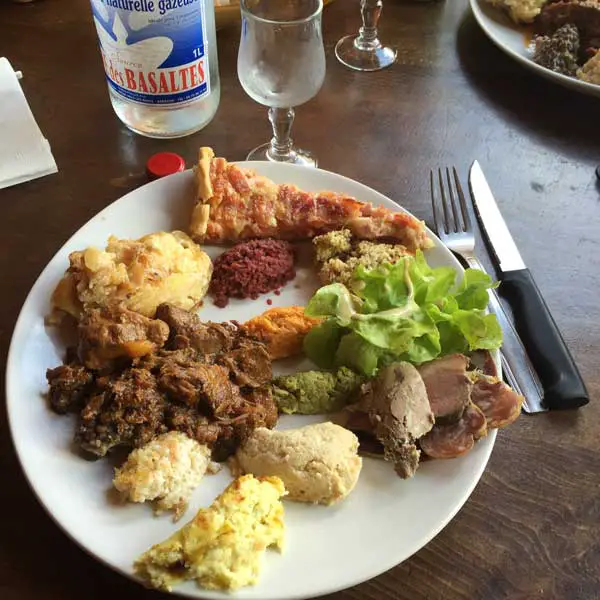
(436, 220)
(466, 213)
(447, 227)
(457, 224)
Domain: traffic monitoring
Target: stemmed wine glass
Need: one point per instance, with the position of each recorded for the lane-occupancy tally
(281, 64)
(364, 51)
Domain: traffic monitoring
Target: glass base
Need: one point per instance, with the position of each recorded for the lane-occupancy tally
(371, 59)
(296, 157)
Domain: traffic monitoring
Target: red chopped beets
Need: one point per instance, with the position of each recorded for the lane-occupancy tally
(250, 269)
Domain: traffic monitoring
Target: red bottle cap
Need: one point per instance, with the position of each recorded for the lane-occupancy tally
(163, 164)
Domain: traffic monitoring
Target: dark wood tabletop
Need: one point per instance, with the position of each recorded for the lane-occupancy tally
(531, 528)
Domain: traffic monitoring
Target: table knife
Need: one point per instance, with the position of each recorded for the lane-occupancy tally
(563, 386)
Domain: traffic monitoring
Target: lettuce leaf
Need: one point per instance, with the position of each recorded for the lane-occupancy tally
(405, 311)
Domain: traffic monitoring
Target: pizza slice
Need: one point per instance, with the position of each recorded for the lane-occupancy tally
(235, 204)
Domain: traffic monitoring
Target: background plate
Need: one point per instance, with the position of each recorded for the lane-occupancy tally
(382, 522)
(513, 40)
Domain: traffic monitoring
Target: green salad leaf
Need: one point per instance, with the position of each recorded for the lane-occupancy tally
(405, 311)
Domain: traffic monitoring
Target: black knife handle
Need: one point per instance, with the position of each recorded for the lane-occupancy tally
(548, 352)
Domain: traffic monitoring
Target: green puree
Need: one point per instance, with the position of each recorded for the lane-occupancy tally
(315, 392)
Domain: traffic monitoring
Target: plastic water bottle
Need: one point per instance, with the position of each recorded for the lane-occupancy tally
(160, 59)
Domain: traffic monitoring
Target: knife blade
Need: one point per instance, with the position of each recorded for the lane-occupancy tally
(563, 386)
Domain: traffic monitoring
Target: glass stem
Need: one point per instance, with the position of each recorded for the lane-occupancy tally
(370, 11)
(281, 144)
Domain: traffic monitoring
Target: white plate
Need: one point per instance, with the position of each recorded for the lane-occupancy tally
(379, 525)
(513, 40)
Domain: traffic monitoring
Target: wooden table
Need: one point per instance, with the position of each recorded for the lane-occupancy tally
(531, 529)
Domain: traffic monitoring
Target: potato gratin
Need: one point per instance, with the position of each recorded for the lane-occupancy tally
(138, 274)
(222, 547)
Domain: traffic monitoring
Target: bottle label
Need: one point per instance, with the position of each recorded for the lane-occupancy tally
(154, 51)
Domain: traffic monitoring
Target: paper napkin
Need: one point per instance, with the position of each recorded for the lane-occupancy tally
(24, 152)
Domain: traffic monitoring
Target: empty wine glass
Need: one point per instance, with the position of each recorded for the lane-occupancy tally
(364, 51)
(281, 64)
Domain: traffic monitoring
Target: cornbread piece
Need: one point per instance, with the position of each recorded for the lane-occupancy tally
(235, 203)
(558, 52)
(165, 470)
(339, 253)
(520, 11)
(139, 274)
(222, 547)
(282, 330)
(448, 386)
(108, 334)
(500, 404)
(317, 463)
(450, 441)
(315, 392)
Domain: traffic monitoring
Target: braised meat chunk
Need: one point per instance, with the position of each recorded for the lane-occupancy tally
(249, 363)
(207, 388)
(582, 14)
(70, 385)
(187, 330)
(108, 334)
(125, 411)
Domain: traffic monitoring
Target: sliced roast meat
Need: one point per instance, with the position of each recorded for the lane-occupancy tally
(188, 330)
(448, 386)
(500, 404)
(483, 361)
(398, 408)
(108, 334)
(450, 441)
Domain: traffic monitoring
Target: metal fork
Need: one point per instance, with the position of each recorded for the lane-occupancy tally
(454, 227)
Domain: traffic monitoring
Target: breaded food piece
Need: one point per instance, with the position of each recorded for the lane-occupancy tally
(590, 72)
(338, 254)
(165, 470)
(282, 330)
(222, 547)
(317, 463)
(520, 11)
(137, 274)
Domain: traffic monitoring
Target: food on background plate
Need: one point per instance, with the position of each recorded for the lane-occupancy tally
(281, 329)
(398, 414)
(405, 311)
(339, 253)
(137, 274)
(209, 381)
(164, 471)
(236, 204)
(559, 51)
(109, 334)
(222, 547)
(250, 269)
(566, 34)
(317, 463)
(315, 392)
(520, 11)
